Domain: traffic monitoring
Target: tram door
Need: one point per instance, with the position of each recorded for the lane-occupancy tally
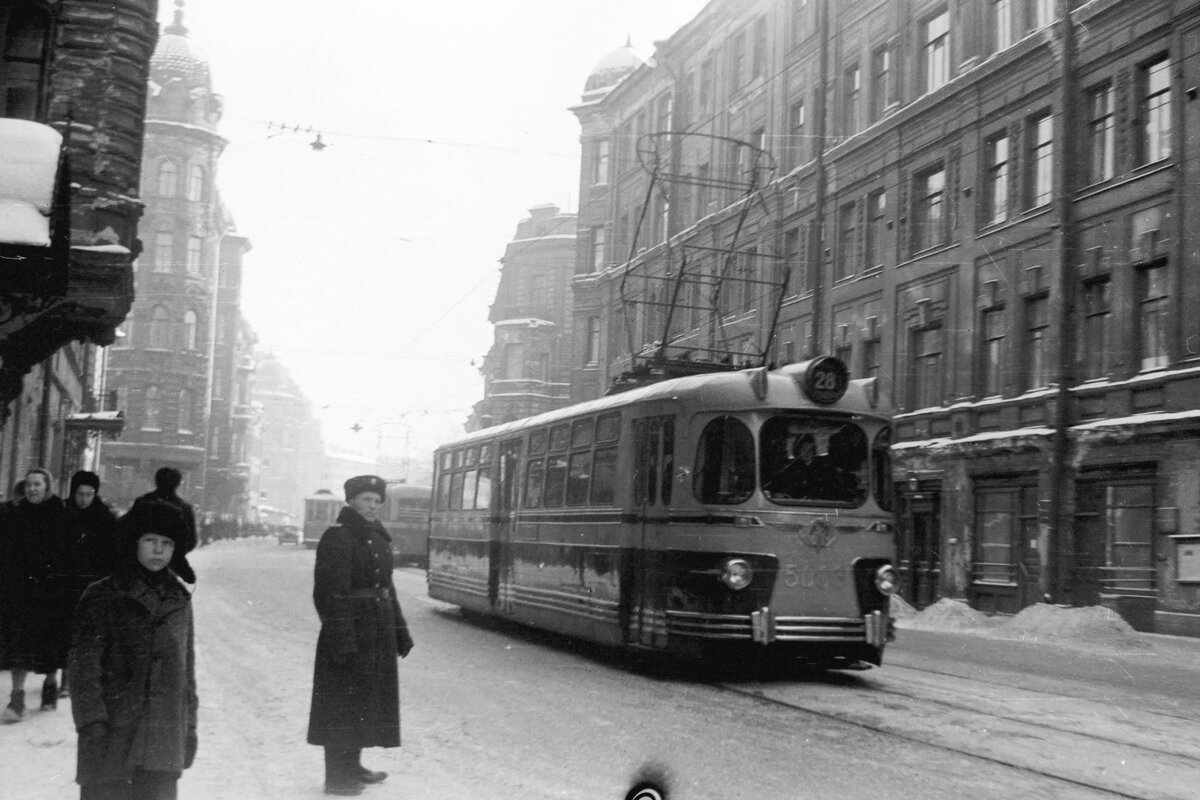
(500, 543)
(653, 471)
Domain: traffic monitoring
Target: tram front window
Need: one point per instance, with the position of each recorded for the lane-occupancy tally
(806, 460)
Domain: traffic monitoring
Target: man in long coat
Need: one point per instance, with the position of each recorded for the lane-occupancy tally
(356, 691)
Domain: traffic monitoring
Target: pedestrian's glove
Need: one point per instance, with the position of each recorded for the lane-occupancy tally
(94, 732)
(189, 753)
(404, 643)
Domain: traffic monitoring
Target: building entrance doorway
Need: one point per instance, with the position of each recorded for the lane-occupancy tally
(919, 551)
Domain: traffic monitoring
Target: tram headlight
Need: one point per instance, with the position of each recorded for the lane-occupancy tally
(736, 573)
(885, 580)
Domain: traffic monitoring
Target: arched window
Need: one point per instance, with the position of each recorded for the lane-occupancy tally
(186, 410)
(189, 330)
(196, 183)
(168, 177)
(164, 250)
(152, 417)
(160, 331)
(25, 36)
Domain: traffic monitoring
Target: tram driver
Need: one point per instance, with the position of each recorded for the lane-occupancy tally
(805, 474)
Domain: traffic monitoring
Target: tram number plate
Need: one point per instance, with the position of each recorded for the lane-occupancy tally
(809, 577)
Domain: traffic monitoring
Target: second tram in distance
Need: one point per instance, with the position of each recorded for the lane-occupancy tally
(698, 515)
(404, 514)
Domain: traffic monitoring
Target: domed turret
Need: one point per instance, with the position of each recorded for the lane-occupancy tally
(180, 79)
(610, 71)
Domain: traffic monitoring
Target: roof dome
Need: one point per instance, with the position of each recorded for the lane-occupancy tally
(612, 69)
(177, 57)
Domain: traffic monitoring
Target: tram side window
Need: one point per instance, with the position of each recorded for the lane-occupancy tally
(881, 465)
(456, 491)
(556, 480)
(724, 463)
(604, 477)
(483, 490)
(443, 489)
(579, 475)
(534, 476)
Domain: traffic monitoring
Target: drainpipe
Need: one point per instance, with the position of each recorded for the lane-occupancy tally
(1059, 517)
(211, 367)
(816, 244)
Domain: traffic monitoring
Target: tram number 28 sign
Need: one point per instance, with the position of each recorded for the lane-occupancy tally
(825, 380)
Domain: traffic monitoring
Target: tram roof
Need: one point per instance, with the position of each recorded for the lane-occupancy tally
(404, 489)
(733, 391)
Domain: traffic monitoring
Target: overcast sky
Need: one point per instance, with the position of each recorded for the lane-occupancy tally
(374, 261)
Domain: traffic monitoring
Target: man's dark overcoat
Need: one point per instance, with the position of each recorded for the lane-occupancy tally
(133, 666)
(89, 554)
(356, 689)
(31, 559)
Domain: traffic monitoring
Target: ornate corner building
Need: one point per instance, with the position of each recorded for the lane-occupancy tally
(988, 206)
(72, 108)
(527, 370)
(182, 370)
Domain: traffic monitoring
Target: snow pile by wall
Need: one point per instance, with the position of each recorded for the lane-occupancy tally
(951, 615)
(1090, 624)
(901, 610)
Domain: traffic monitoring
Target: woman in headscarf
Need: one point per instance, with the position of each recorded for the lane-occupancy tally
(31, 560)
(356, 689)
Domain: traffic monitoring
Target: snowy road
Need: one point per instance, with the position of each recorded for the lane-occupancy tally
(496, 714)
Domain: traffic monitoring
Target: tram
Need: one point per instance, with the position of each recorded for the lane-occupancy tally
(405, 515)
(321, 510)
(703, 515)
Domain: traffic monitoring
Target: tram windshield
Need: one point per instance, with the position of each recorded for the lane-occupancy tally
(806, 460)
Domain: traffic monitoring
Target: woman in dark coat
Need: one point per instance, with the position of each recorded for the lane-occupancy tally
(133, 667)
(90, 549)
(31, 559)
(356, 691)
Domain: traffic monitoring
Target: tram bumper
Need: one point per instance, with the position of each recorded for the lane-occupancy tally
(766, 628)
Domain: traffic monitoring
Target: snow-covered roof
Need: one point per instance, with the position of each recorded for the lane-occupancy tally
(28, 167)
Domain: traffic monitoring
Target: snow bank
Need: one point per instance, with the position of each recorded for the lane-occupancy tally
(1089, 626)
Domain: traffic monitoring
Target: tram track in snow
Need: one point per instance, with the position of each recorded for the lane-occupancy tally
(1086, 744)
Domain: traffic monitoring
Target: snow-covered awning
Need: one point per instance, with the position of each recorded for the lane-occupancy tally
(97, 421)
(29, 157)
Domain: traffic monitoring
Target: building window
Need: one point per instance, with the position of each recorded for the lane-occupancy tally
(186, 410)
(872, 356)
(883, 85)
(759, 56)
(168, 177)
(1036, 347)
(929, 228)
(1002, 24)
(1152, 315)
(189, 330)
(936, 49)
(925, 389)
(1156, 111)
(791, 260)
(152, 414)
(737, 62)
(600, 165)
(1114, 539)
(995, 196)
(706, 85)
(591, 355)
(598, 261)
(799, 138)
(876, 229)
(160, 329)
(25, 30)
(847, 244)
(1041, 12)
(1101, 133)
(164, 251)
(196, 183)
(991, 352)
(851, 91)
(195, 248)
(1004, 518)
(1097, 328)
(801, 20)
(1041, 160)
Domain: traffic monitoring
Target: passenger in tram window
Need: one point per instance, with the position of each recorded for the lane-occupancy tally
(804, 475)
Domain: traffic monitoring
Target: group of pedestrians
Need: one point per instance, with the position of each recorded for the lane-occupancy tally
(107, 602)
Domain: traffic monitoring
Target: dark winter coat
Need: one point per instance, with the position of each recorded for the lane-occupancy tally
(356, 690)
(89, 554)
(133, 667)
(31, 562)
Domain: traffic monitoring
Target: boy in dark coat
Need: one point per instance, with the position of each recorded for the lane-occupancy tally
(356, 690)
(132, 666)
(167, 481)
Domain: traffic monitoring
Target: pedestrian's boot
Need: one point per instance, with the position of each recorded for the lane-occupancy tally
(341, 778)
(49, 694)
(15, 710)
(367, 775)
